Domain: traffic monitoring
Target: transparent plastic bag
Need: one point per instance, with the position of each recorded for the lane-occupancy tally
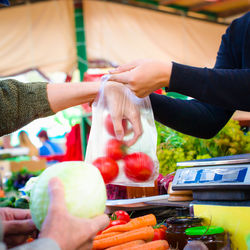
(139, 165)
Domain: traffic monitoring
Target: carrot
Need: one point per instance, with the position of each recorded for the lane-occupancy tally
(102, 236)
(143, 221)
(126, 245)
(144, 233)
(153, 245)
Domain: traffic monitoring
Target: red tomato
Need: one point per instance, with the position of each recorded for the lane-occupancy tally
(108, 168)
(121, 215)
(117, 222)
(138, 167)
(159, 234)
(115, 149)
(110, 127)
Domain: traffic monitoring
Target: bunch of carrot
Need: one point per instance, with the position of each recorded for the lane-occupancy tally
(136, 234)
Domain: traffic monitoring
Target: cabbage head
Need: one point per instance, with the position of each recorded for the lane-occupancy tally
(85, 191)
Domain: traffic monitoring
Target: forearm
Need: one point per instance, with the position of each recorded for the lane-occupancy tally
(189, 117)
(62, 96)
(228, 88)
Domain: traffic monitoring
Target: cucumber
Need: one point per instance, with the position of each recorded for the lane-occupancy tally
(22, 203)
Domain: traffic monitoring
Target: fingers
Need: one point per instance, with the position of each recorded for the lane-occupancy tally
(19, 214)
(19, 227)
(99, 223)
(56, 195)
(123, 77)
(123, 68)
(137, 128)
(118, 127)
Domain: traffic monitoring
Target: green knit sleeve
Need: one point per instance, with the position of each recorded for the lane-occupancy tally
(21, 103)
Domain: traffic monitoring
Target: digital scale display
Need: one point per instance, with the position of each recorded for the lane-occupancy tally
(215, 180)
(212, 175)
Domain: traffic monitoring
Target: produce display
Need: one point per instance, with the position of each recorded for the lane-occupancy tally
(13, 202)
(19, 179)
(138, 233)
(175, 147)
(137, 164)
(82, 182)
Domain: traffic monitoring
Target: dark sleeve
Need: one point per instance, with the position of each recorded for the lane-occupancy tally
(190, 117)
(228, 83)
(21, 103)
(228, 88)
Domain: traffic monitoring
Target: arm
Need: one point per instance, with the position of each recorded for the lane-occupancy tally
(189, 116)
(228, 88)
(21, 103)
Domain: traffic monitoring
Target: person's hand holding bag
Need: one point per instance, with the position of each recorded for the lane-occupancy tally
(143, 76)
(122, 107)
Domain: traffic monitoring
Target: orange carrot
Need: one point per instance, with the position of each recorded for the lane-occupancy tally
(143, 221)
(153, 245)
(102, 236)
(126, 245)
(144, 233)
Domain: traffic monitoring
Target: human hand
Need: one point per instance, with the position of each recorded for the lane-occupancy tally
(122, 107)
(143, 76)
(68, 231)
(17, 225)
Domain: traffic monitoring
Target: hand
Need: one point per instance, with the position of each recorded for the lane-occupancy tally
(122, 107)
(68, 231)
(144, 76)
(17, 225)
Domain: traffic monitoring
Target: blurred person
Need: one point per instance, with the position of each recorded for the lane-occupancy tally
(218, 91)
(26, 143)
(48, 147)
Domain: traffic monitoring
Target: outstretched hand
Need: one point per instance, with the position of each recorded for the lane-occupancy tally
(121, 106)
(143, 76)
(68, 231)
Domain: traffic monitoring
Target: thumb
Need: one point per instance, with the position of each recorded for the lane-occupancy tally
(123, 68)
(56, 194)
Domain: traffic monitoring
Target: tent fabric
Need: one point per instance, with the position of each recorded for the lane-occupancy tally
(39, 35)
(123, 33)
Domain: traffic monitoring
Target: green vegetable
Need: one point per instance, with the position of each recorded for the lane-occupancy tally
(22, 203)
(175, 147)
(12, 199)
(85, 192)
(6, 203)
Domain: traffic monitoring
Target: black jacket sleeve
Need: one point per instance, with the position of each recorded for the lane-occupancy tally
(190, 117)
(228, 88)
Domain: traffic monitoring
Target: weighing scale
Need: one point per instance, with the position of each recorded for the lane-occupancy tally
(221, 192)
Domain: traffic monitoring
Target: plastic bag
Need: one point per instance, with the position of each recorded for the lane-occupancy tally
(139, 165)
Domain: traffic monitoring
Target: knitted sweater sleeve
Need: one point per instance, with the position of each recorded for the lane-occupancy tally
(21, 103)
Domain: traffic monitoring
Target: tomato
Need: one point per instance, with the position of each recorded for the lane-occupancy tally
(115, 149)
(159, 234)
(117, 222)
(138, 167)
(110, 127)
(121, 215)
(108, 168)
